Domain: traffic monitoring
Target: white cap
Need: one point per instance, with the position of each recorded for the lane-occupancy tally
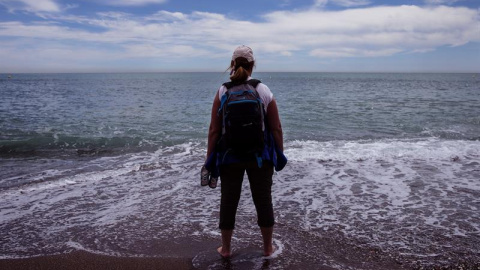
(243, 51)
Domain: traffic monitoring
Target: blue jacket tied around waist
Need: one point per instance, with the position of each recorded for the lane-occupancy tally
(270, 153)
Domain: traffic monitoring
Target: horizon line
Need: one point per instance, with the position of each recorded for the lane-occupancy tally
(265, 71)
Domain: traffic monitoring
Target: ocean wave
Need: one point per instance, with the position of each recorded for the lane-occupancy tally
(55, 144)
(431, 148)
(383, 193)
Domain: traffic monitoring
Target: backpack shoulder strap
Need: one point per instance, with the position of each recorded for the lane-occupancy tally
(252, 82)
(228, 85)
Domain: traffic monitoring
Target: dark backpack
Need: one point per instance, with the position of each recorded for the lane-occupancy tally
(243, 119)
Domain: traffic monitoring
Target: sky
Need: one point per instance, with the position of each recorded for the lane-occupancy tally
(194, 35)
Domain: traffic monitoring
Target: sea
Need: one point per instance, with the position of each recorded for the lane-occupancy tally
(383, 169)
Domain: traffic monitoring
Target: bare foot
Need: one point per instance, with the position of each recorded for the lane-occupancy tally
(269, 251)
(224, 253)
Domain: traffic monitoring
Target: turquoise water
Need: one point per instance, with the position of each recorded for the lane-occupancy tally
(109, 163)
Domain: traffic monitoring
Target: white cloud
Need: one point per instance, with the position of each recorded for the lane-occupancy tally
(320, 3)
(150, 50)
(385, 28)
(31, 5)
(167, 16)
(359, 32)
(130, 2)
(45, 6)
(50, 56)
(343, 3)
(42, 5)
(352, 52)
(351, 3)
(440, 2)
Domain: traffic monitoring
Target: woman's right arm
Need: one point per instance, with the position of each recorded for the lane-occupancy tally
(274, 124)
(215, 129)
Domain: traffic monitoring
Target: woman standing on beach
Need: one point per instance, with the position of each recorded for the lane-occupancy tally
(233, 166)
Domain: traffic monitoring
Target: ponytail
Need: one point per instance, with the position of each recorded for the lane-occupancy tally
(240, 75)
(241, 69)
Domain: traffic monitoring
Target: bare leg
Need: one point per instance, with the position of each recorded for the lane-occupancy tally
(225, 250)
(267, 234)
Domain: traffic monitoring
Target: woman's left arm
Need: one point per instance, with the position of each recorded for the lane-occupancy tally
(274, 123)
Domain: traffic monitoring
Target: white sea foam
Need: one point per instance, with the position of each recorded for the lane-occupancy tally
(387, 186)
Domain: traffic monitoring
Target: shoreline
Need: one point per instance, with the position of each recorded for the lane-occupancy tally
(85, 260)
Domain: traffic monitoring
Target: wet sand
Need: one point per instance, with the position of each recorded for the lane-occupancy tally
(343, 255)
(87, 261)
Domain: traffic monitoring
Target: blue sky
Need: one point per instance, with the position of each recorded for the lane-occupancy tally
(194, 35)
